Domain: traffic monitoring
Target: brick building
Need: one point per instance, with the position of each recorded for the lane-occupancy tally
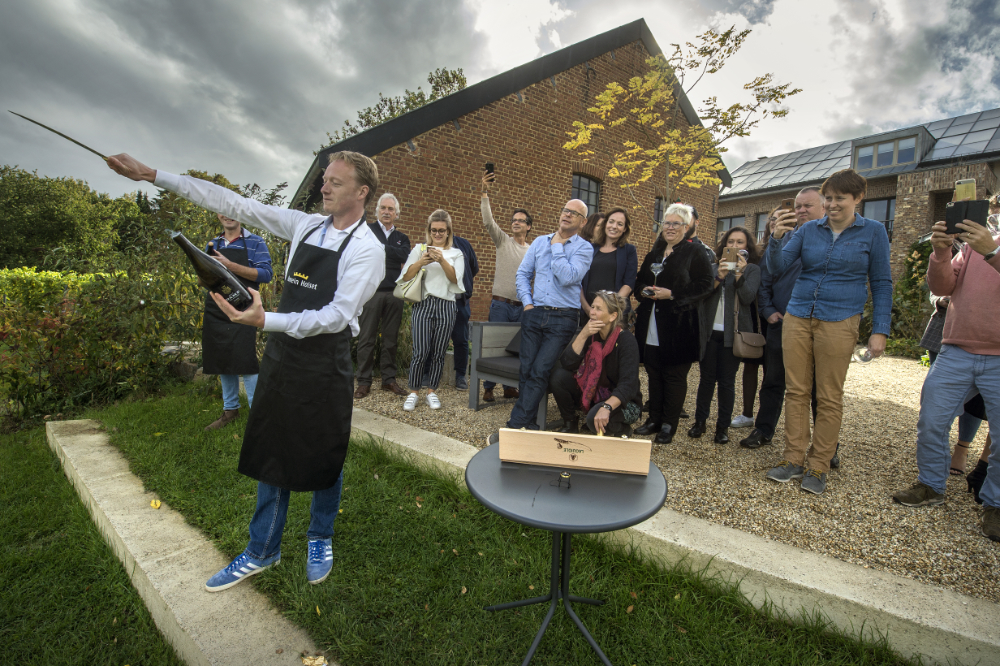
(911, 175)
(433, 157)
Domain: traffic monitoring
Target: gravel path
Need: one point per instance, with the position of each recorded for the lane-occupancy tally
(855, 520)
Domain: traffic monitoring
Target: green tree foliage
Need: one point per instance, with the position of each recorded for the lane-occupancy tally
(648, 106)
(443, 82)
(57, 216)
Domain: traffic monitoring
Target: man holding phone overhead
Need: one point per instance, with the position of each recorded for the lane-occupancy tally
(505, 305)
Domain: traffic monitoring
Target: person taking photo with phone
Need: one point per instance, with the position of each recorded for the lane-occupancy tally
(843, 255)
(969, 361)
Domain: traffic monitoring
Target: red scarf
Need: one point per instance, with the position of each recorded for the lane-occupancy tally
(589, 372)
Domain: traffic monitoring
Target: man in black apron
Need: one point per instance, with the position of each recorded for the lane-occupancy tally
(300, 423)
(227, 349)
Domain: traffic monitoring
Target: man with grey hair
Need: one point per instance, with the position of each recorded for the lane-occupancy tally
(383, 309)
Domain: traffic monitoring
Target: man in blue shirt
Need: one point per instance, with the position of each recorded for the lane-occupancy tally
(557, 263)
(228, 349)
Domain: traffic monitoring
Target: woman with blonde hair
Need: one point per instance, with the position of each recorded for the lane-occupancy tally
(599, 372)
(434, 316)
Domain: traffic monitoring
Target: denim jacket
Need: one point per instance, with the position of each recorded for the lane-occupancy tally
(835, 275)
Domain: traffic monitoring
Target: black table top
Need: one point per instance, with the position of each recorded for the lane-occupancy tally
(536, 496)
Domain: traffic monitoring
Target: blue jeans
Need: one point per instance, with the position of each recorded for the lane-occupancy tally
(268, 522)
(954, 376)
(231, 390)
(968, 426)
(503, 312)
(545, 332)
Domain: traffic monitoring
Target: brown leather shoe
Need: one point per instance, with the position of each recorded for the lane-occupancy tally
(488, 395)
(510, 393)
(362, 391)
(228, 416)
(394, 387)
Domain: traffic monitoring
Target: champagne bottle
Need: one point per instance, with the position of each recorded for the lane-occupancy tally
(214, 275)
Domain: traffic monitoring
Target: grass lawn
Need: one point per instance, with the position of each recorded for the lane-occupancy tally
(416, 559)
(64, 597)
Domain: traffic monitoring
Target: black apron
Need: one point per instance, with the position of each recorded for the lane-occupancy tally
(228, 348)
(300, 423)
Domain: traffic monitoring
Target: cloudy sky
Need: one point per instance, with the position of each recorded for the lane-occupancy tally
(248, 88)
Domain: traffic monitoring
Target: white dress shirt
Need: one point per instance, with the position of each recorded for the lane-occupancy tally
(436, 283)
(361, 267)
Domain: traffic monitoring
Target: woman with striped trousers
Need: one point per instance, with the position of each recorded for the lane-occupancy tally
(434, 316)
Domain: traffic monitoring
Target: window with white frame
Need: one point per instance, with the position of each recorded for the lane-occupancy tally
(885, 154)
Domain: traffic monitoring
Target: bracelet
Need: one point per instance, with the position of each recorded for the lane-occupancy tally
(992, 254)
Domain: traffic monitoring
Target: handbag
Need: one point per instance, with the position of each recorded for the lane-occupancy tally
(745, 344)
(411, 291)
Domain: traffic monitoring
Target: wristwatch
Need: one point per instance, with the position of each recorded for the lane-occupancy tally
(607, 407)
(992, 254)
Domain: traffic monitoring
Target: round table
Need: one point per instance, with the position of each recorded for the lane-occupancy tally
(585, 502)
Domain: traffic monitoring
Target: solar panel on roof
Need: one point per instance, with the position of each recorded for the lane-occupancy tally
(959, 129)
(992, 113)
(994, 145)
(986, 124)
(974, 137)
(844, 162)
(968, 118)
(948, 141)
(939, 124)
(969, 148)
(840, 152)
(938, 133)
(940, 153)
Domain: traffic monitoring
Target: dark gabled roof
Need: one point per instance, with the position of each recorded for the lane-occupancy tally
(437, 113)
(972, 137)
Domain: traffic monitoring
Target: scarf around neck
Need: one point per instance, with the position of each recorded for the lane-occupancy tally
(589, 372)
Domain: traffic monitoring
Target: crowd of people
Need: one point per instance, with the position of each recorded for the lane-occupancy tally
(591, 316)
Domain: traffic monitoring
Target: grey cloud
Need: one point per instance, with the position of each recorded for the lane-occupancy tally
(244, 88)
(754, 11)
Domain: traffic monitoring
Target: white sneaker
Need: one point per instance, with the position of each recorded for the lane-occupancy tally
(411, 402)
(741, 422)
(432, 401)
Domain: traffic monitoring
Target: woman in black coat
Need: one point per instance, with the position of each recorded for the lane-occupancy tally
(718, 363)
(668, 318)
(599, 372)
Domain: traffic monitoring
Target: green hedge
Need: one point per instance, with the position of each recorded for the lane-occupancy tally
(69, 339)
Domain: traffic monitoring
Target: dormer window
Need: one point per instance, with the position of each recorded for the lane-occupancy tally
(889, 153)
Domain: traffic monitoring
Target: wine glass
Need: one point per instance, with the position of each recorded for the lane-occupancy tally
(862, 356)
(656, 269)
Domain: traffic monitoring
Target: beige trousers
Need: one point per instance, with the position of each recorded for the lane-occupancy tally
(826, 347)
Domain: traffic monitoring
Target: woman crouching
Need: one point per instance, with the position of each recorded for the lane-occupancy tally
(599, 372)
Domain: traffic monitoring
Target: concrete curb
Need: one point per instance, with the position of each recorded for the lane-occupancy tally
(169, 561)
(941, 625)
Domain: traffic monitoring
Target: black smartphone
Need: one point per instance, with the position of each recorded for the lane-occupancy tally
(648, 291)
(490, 167)
(976, 210)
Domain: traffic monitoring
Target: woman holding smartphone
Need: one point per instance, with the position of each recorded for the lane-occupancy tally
(433, 317)
(843, 254)
(718, 363)
(669, 303)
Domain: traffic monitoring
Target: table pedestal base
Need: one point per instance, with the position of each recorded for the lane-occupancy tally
(558, 589)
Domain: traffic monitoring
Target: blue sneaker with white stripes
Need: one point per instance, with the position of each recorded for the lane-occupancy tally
(239, 570)
(319, 561)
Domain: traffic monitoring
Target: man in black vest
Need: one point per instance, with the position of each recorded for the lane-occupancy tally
(300, 423)
(383, 309)
(227, 349)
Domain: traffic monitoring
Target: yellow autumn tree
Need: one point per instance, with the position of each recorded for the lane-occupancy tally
(659, 134)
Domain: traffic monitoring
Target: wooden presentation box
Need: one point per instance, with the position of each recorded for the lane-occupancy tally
(557, 449)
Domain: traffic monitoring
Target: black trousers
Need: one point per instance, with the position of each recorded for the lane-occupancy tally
(667, 387)
(718, 367)
(569, 397)
(772, 390)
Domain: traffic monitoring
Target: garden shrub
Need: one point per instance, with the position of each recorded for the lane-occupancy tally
(911, 307)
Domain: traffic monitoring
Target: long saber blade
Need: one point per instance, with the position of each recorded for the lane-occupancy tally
(61, 134)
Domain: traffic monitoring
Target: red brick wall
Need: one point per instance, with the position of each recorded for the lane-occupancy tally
(523, 135)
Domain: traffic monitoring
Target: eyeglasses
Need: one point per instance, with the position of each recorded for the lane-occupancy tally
(572, 212)
(673, 225)
(437, 232)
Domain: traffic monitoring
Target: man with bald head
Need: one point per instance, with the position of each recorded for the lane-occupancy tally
(557, 263)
